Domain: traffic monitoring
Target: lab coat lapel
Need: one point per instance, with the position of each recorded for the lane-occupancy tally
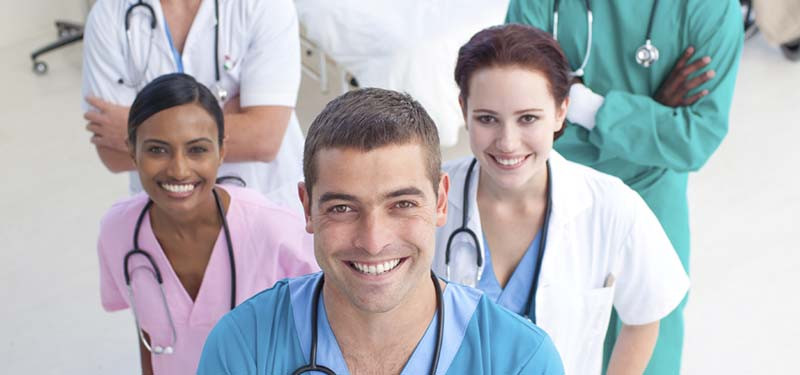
(568, 202)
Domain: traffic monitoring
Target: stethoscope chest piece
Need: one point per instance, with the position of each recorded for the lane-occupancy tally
(647, 54)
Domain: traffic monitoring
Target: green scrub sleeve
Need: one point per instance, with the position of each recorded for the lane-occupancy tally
(639, 129)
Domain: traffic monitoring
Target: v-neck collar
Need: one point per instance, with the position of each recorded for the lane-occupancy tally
(203, 20)
(459, 306)
(179, 300)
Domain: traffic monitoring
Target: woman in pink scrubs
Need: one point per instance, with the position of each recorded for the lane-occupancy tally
(212, 246)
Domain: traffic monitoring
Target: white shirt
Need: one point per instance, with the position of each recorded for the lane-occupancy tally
(259, 57)
(598, 227)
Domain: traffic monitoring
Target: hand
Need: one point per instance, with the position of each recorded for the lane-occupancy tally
(232, 106)
(109, 124)
(677, 85)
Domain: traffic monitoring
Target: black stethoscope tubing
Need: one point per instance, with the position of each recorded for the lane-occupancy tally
(542, 242)
(138, 250)
(153, 22)
(312, 364)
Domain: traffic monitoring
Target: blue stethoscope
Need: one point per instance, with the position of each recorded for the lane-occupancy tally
(138, 76)
(312, 364)
(478, 251)
(645, 56)
(156, 272)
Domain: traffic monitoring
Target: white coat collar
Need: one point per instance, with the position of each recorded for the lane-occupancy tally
(570, 196)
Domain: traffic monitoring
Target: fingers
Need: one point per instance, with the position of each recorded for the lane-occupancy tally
(98, 103)
(684, 58)
(697, 81)
(94, 128)
(692, 99)
(95, 117)
(686, 71)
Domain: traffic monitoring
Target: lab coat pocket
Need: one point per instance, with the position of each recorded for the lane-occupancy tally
(598, 303)
(597, 312)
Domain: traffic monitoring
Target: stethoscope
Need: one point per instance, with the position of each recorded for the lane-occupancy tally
(645, 56)
(474, 238)
(139, 74)
(156, 272)
(312, 364)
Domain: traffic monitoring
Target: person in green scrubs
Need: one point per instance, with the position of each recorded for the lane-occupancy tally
(649, 126)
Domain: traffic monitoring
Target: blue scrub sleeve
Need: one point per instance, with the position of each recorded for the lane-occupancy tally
(545, 361)
(228, 350)
(639, 129)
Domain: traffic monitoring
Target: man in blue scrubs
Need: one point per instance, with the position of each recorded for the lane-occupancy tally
(373, 197)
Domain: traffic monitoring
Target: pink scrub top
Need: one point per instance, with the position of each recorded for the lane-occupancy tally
(269, 243)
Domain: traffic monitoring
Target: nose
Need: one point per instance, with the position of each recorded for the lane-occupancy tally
(374, 233)
(508, 139)
(178, 167)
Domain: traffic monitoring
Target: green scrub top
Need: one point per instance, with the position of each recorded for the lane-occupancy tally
(650, 146)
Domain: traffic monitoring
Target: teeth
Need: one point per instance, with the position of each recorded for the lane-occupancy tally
(509, 162)
(376, 269)
(178, 188)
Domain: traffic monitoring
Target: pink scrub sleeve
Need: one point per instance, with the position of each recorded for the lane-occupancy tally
(110, 295)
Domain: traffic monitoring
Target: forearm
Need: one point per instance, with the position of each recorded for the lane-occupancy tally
(116, 161)
(255, 133)
(633, 349)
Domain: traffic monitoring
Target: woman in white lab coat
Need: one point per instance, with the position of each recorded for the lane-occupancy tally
(549, 239)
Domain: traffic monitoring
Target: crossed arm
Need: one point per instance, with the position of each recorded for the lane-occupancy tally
(252, 133)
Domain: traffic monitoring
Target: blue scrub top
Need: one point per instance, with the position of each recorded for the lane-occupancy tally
(271, 334)
(518, 288)
(175, 54)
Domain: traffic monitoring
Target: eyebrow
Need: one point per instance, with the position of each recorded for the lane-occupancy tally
(196, 140)
(405, 191)
(516, 113)
(351, 198)
(336, 196)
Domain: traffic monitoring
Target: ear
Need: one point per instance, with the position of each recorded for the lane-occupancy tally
(561, 114)
(223, 149)
(305, 198)
(131, 151)
(463, 105)
(441, 199)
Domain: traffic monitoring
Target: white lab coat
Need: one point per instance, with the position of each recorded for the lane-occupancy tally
(598, 227)
(259, 58)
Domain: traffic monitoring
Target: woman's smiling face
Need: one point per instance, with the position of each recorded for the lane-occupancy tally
(177, 154)
(511, 118)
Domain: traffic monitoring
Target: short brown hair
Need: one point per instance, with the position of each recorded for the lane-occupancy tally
(371, 118)
(515, 45)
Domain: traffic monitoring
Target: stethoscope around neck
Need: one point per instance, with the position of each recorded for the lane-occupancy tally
(312, 362)
(645, 56)
(138, 73)
(479, 252)
(156, 272)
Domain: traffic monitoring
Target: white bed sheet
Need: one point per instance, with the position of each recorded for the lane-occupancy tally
(409, 46)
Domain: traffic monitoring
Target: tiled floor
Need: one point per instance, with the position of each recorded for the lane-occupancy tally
(742, 316)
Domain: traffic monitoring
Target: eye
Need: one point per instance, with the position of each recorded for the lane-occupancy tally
(156, 150)
(528, 119)
(486, 119)
(340, 209)
(197, 150)
(405, 204)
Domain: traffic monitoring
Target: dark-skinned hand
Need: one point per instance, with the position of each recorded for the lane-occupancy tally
(675, 89)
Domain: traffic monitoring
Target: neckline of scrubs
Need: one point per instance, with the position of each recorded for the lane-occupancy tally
(460, 305)
(148, 241)
(175, 54)
(517, 290)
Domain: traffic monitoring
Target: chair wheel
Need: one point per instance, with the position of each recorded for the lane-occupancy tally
(39, 67)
